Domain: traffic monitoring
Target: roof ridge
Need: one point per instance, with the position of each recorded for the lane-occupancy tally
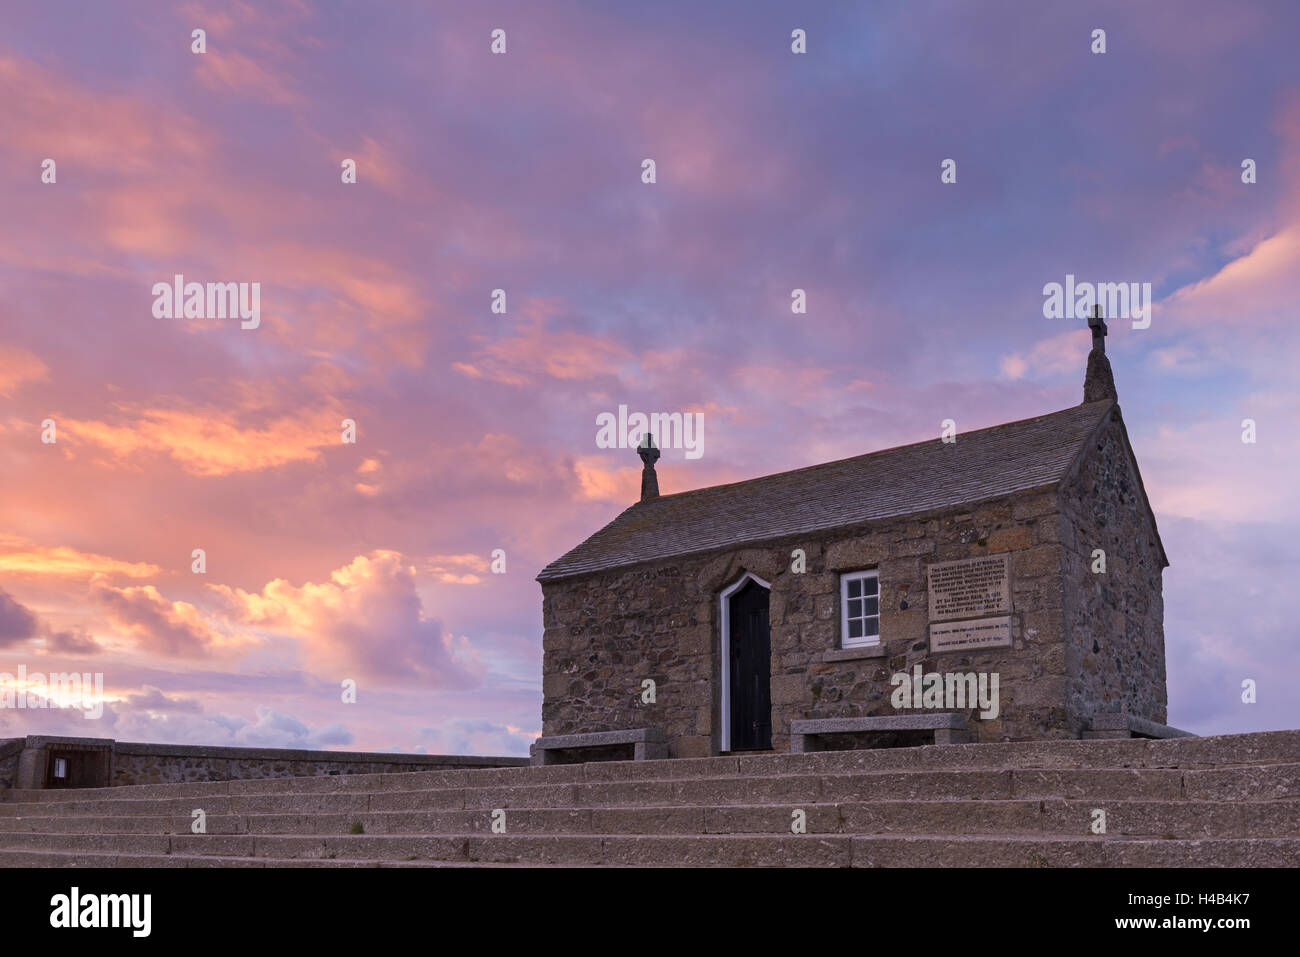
(862, 455)
(1031, 453)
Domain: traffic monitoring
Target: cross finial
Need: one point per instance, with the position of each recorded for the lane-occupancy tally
(648, 451)
(1098, 381)
(649, 480)
(1098, 326)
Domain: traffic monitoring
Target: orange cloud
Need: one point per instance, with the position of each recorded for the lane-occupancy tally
(20, 557)
(210, 442)
(445, 568)
(18, 366)
(601, 480)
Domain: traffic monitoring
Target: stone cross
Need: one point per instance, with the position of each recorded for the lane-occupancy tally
(649, 480)
(1099, 381)
(1098, 326)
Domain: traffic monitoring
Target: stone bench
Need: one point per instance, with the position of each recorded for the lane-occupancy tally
(647, 744)
(1106, 726)
(949, 727)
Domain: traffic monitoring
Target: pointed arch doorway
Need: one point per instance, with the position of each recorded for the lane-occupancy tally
(746, 666)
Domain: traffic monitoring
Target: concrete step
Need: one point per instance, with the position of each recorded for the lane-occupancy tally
(306, 846)
(734, 850)
(86, 859)
(1277, 747)
(1231, 801)
(1178, 819)
(94, 824)
(1274, 782)
(1095, 851)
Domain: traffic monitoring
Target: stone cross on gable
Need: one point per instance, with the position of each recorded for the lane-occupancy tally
(649, 480)
(648, 451)
(1098, 326)
(1098, 382)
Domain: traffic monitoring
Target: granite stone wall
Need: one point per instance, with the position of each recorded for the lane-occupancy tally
(1115, 654)
(135, 763)
(10, 749)
(169, 764)
(607, 632)
(1081, 643)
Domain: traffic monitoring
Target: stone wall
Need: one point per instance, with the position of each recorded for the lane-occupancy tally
(1115, 620)
(167, 764)
(607, 632)
(1082, 642)
(10, 749)
(134, 763)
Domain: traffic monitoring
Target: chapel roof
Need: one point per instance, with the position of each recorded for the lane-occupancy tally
(890, 483)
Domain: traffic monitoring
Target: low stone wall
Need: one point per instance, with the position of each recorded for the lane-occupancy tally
(167, 764)
(24, 762)
(10, 748)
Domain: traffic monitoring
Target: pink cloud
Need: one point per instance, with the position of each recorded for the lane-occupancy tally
(17, 623)
(46, 115)
(18, 366)
(366, 621)
(245, 76)
(154, 624)
(536, 350)
(1065, 353)
(1259, 288)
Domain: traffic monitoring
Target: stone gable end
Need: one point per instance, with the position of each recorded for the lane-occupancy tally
(1114, 618)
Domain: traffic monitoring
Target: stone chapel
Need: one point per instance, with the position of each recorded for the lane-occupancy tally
(779, 613)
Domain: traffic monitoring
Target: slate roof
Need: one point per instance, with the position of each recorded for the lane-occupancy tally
(980, 465)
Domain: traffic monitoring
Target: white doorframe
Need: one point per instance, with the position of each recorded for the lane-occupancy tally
(724, 600)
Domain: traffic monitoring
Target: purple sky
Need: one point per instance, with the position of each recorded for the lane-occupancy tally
(476, 431)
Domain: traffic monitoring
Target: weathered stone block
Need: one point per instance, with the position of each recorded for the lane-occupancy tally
(905, 549)
(554, 685)
(697, 746)
(1009, 539)
(1036, 561)
(1033, 506)
(910, 625)
(788, 689)
(855, 555)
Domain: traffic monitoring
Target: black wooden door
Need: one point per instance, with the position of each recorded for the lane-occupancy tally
(751, 670)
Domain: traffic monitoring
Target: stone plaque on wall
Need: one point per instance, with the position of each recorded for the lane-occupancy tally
(971, 635)
(969, 588)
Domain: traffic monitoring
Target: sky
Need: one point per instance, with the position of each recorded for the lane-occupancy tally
(475, 430)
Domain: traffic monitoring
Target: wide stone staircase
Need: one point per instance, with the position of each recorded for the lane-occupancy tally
(1230, 801)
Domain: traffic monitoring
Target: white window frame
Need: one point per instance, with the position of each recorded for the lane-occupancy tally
(867, 641)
